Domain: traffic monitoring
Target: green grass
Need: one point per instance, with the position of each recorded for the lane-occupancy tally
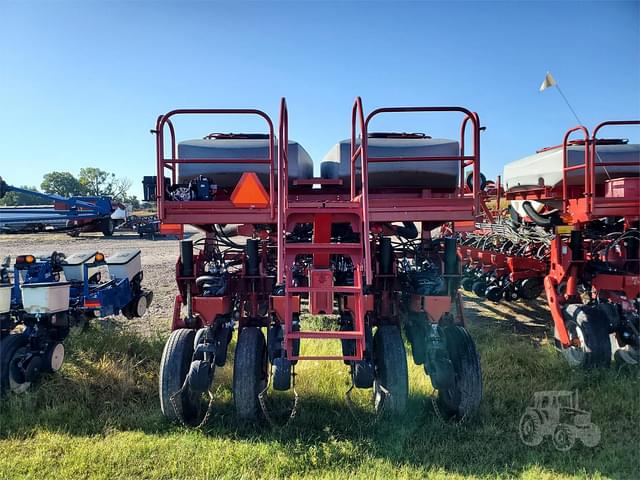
(99, 417)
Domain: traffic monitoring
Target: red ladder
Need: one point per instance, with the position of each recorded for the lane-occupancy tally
(322, 215)
(321, 248)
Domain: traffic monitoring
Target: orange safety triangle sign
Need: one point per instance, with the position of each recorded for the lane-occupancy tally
(249, 192)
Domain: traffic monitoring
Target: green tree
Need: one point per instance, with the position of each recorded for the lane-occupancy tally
(22, 199)
(62, 183)
(119, 189)
(96, 181)
(132, 201)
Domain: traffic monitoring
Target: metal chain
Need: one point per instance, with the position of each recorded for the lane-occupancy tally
(262, 396)
(172, 398)
(185, 386)
(436, 408)
(209, 412)
(350, 405)
(380, 412)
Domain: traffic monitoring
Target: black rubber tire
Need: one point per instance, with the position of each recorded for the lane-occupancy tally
(139, 306)
(127, 311)
(623, 356)
(465, 395)
(149, 295)
(416, 331)
(592, 327)
(174, 366)
(200, 375)
(494, 293)
(275, 334)
(107, 227)
(469, 181)
(390, 360)
(8, 348)
(249, 373)
(223, 339)
(281, 377)
(479, 288)
(467, 283)
(296, 342)
(348, 346)
(510, 294)
(198, 338)
(531, 288)
(53, 355)
(363, 374)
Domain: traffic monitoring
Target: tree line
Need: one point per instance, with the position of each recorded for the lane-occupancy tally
(91, 181)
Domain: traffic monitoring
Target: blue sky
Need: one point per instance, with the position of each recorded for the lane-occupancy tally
(81, 83)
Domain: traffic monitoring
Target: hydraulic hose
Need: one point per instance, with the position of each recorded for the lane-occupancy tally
(542, 219)
(408, 230)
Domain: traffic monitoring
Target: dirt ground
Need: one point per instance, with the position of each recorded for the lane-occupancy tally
(159, 257)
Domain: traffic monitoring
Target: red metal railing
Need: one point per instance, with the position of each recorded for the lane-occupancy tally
(594, 156)
(591, 161)
(566, 168)
(174, 152)
(170, 163)
(466, 163)
(361, 151)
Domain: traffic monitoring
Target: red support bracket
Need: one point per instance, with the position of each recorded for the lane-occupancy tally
(555, 306)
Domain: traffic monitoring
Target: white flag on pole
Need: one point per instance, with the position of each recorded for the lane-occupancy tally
(549, 81)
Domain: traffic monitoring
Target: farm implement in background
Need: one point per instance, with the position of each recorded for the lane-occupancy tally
(72, 215)
(573, 226)
(505, 262)
(149, 226)
(41, 298)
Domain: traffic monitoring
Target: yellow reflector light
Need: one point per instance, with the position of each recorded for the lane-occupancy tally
(249, 192)
(99, 257)
(29, 259)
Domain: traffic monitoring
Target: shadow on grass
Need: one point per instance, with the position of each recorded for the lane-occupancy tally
(530, 319)
(109, 384)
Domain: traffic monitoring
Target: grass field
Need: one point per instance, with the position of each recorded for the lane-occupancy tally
(100, 418)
